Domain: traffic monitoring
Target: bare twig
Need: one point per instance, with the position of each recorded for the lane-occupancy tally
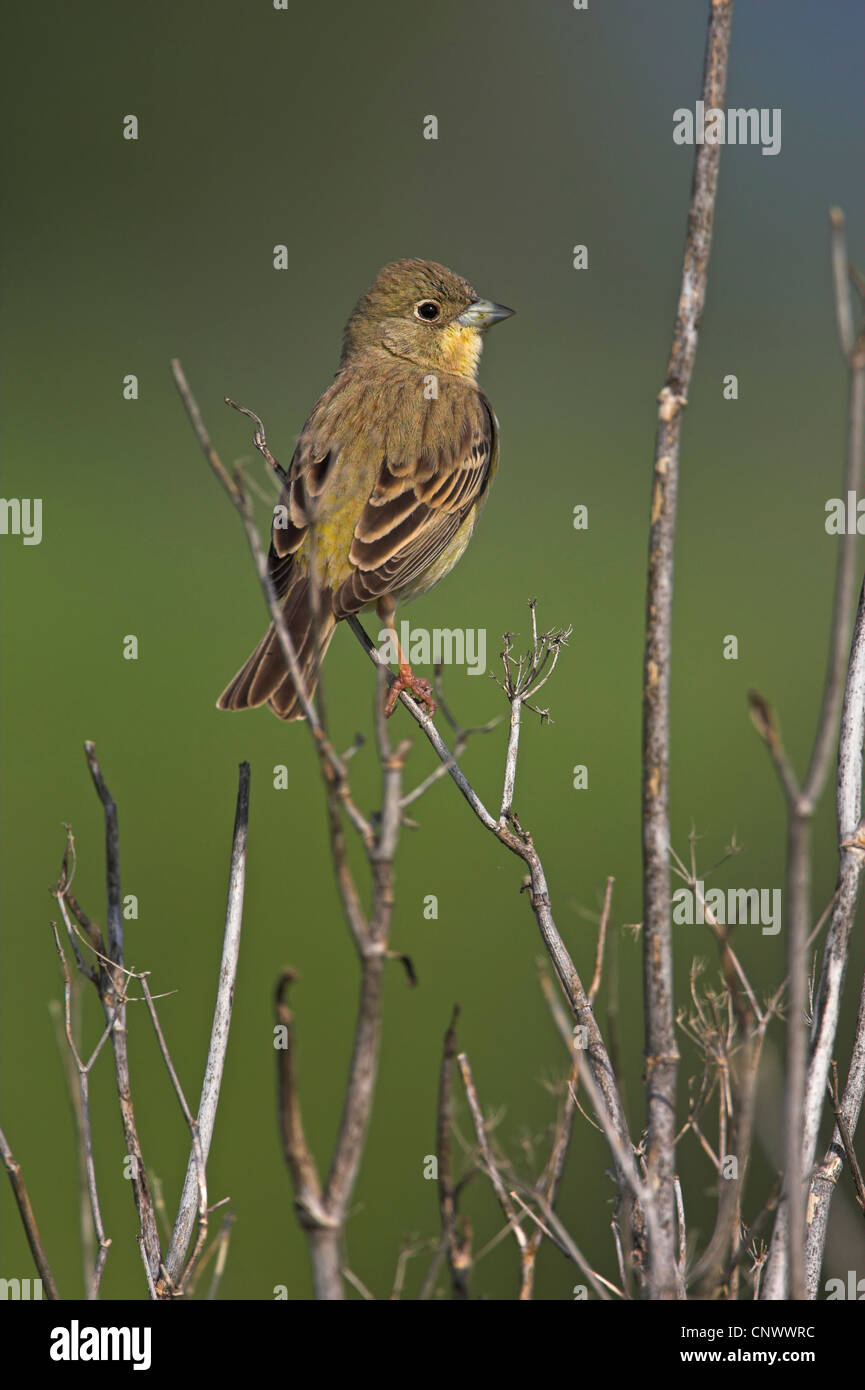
(111, 987)
(217, 1252)
(553, 998)
(457, 1243)
(626, 1161)
(547, 1187)
(358, 1284)
(555, 1231)
(523, 677)
(661, 1051)
(192, 1123)
(827, 1174)
(28, 1220)
(785, 1273)
(84, 1068)
(358, 1101)
(88, 1235)
(683, 1235)
(520, 843)
(846, 1135)
(602, 936)
(737, 1059)
(194, 1188)
(301, 1164)
(841, 281)
(222, 1242)
(491, 1166)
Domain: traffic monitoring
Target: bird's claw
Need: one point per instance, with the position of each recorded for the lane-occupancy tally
(415, 685)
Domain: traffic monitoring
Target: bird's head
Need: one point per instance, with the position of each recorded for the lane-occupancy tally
(424, 312)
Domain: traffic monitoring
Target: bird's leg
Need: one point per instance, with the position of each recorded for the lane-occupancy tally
(406, 680)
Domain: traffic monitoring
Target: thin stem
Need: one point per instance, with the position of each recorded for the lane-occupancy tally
(28, 1220)
(112, 986)
(785, 1273)
(661, 1050)
(212, 1083)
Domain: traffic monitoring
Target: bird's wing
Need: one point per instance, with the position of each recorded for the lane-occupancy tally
(307, 475)
(420, 499)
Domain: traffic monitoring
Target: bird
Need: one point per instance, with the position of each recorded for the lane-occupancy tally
(389, 476)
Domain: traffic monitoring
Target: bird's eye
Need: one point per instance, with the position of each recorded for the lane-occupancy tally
(427, 310)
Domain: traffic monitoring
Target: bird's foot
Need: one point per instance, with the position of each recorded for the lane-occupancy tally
(415, 685)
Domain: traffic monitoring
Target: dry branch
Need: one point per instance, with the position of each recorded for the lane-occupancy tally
(194, 1197)
(111, 985)
(28, 1220)
(371, 937)
(785, 1272)
(661, 1051)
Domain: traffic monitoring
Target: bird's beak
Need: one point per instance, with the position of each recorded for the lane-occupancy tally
(483, 313)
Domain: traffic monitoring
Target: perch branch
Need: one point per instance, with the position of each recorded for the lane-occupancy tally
(513, 836)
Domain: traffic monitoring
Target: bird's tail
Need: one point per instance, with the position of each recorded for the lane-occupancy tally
(265, 677)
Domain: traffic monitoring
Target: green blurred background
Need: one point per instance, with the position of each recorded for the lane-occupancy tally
(304, 127)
